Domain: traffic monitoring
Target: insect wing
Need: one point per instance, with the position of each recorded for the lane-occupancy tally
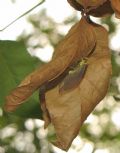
(72, 80)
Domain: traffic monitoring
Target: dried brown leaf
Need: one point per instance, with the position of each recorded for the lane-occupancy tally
(90, 4)
(78, 43)
(98, 9)
(85, 4)
(75, 4)
(116, 7)
(69, 111)
(102, 10)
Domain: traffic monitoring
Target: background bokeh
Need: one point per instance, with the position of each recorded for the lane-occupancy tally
(38, 33)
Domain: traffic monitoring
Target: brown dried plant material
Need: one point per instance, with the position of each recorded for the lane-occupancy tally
(90, 4)
(68, 111)
(97, 8)
(86, 4)
(102, 10)
(116, 7)
(67, 99)
(78, 43)
(75, 4)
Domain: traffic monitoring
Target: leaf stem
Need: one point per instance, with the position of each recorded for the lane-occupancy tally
(85, 15)
(22, 15)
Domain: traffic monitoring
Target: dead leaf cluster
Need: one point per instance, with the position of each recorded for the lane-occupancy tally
(70, 88)
(97, 8)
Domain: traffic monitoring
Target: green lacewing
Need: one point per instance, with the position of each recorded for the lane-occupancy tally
(73, 78)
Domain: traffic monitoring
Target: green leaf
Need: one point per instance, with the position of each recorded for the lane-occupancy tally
(113, 90)
(15, 64)
(115, 66)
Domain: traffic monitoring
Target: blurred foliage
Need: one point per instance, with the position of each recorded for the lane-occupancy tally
(102, 133)
(45, 31)
(109, 22)
(15, 64)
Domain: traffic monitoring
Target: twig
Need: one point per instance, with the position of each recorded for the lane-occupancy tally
(22, 16)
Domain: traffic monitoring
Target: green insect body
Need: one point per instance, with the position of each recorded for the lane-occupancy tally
(79, 66)
(74, 76)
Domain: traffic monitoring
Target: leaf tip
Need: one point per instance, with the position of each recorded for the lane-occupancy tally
(61, 145)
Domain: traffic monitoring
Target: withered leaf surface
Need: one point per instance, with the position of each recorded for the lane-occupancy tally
(102, 10)
(75, 4)
(116, 7)
(78, 43)
(90, 4)
(69, 111)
